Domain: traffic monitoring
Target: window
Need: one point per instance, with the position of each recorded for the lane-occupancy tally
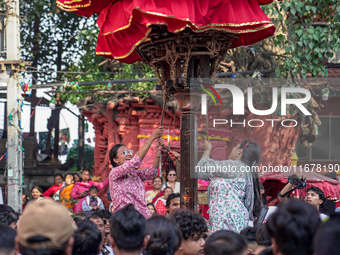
(327, 144)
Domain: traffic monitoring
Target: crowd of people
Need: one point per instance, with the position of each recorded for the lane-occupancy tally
(73, 219)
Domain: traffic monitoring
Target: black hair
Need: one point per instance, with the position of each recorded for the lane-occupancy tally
(87, 238)
(39, 189)
(249, 234)
(152, 206)
(153, 179)
(76, 174)
(70, 174)
(7, 236)
(7, 218)
(264, 197)
(128, 229)
(113, 154)
(189, 222)
(225, 242)
(317, 191)
(5, 208)
(251, 157)
(7, 214)
(327, 207)
(86, 170)
(59, 174)
(167, 173)
(171, 197)
(262, 236)
(267, 251)
(326, 239)
(93, 188)
(165, 237)
(95, 216)
(29, 251)
(104, 214)
(293, 226)
(168, 188)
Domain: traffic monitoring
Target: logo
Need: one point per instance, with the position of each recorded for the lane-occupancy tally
(239, 104)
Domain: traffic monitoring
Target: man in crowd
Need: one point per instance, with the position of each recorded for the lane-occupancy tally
(292, 228)
(7, 236)
(194, 231)
(105, 249)
(225, 242)
(45, 228)
(106, 217)
(87, 239)
(316, 197)
(173, 203)
(128, 233)
(249, 234)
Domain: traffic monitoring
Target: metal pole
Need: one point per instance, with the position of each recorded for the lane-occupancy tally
(81, 148)
(14, 139)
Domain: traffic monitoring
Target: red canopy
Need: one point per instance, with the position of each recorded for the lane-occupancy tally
(125, 24)
(274, 182)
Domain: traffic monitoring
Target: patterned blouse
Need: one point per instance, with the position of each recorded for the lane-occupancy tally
(230, 194)
(127, 185)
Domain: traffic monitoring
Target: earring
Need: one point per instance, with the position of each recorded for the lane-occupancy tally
(237, 154)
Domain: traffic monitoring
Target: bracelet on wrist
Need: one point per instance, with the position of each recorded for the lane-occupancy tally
(208, 149)
(148, 143)
(158, 156)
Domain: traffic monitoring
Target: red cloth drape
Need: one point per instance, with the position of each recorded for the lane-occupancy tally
(125, 24)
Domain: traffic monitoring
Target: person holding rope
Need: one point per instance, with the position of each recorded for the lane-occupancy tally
(127, 180)
(234, 195)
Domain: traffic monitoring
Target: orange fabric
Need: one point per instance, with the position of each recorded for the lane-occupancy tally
(125, 24)
(65, 196)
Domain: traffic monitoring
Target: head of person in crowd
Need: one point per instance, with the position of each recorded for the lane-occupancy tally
(24, 199)
(165, 237)
(263, 239)
(106, 217)
(87, 239)
(328, 207)
(224, 242)
(193, 229)
(69, 179)
(7, 216)
(128, 233)
(173, 202)
(326, 239)
(7, 236)
(267, 251)
(36, 192)
(167, 192)
(292, 228)
(157, 183)
(58, 179)
(93, 190)
(171, 175)
(96, 219)
(76, 177)
(249, 234)
(315, 197)
(263, 194)
(119, 154)
(85, 176)
(45, 228)
(151, 208)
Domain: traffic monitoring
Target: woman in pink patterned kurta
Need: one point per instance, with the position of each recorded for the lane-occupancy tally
(127, 180)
